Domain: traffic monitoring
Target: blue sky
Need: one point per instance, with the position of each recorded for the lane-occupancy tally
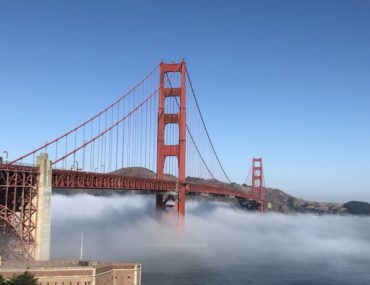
(285, 80)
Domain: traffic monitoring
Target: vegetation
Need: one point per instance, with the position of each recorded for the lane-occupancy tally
(2, 280)
(357, 208)
(23, 279)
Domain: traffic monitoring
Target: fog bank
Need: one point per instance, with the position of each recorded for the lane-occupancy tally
(216, 239)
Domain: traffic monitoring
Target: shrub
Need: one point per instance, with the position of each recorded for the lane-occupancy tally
(2, 280)
(23, 279)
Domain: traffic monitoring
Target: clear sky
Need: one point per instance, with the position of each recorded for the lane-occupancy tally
(285, 80)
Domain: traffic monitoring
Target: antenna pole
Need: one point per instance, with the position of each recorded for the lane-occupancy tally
(82, 245)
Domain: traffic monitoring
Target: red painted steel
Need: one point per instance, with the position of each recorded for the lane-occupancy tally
(257, 181)
(178, 151)
(163, 150)
(71, 179)
(18, 211)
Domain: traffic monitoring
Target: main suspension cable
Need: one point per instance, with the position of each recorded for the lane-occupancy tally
(205, 127)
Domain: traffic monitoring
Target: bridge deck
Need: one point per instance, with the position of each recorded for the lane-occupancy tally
(70, 179)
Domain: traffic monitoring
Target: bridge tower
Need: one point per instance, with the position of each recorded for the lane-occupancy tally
(42, 242)
(166, 90)
(257, 181)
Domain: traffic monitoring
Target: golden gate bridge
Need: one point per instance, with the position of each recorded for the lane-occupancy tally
(153, 139)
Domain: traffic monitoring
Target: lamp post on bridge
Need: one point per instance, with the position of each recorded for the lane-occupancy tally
(75, 165)
(6, 156)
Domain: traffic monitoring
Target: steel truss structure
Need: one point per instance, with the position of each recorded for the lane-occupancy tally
(18, 211)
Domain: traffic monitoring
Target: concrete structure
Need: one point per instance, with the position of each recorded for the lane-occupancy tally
(42, 242)
(64, 272)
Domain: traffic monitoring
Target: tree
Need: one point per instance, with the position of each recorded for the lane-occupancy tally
(2, 280)
(23, 279)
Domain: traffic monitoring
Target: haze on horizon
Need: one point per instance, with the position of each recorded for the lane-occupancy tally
(286, 80)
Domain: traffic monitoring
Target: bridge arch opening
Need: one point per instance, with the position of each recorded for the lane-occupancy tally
(12, 245)
(172, 79)
(171, 134)
(172, 105)
(171, 168)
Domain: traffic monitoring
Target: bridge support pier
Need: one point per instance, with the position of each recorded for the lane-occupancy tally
(42, 242)
(171, 207)
(181, 204)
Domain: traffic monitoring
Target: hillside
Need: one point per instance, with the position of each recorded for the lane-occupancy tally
(284, 203)
(357, 208)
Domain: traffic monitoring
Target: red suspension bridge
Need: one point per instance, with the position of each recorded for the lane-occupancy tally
(153, 138)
